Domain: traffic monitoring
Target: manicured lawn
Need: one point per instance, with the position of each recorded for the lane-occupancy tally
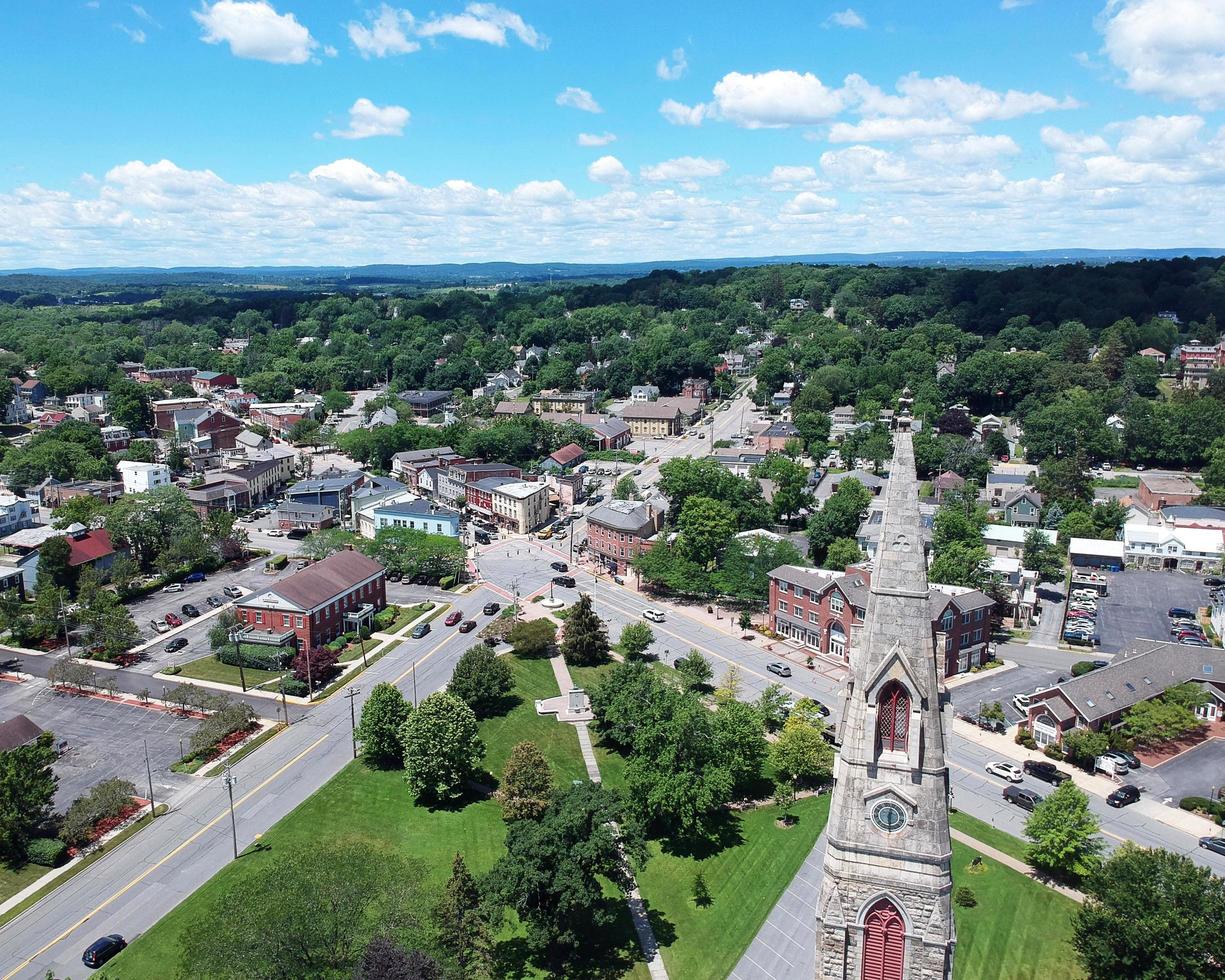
(1020, 929)
(14, 879)
(559, 742)
(745, 880)
(991, 836)
(211, 669)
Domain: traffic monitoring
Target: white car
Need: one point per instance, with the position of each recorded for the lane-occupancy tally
(654, 615)
(173, 587)
(275, 532)
(1021, 703)
(1005, 770)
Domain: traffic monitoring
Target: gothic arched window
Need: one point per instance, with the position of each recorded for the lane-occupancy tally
(892, 718)
(884, 942)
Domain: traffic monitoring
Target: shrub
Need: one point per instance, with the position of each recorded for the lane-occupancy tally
(965, 897)
(234, 717)
(107, 799)
(295, 688)
(1053, 752)
(1082, 667)
(256, 657)
(277, 561)
(1200, 804)
(446, 582)
(47, 851)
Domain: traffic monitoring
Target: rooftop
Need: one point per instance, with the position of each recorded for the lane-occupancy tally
(321, 582)
(1169, 483)
(522, 489)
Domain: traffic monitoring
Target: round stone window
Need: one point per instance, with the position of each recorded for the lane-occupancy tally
(889, 817)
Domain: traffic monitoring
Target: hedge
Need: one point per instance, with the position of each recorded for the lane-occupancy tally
(1083, 667)
(259, 658)
(1202, 804)
(47, 851)
(277, 561)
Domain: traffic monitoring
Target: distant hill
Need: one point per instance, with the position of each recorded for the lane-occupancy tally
(487, 273)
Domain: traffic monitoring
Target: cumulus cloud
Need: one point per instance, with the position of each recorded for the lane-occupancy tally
(1174, 49)
(367, 119)
(887, 129)
(670, 71)
(848, 18)
(1159, 137)
(608, 170)
(967, 150)
(596, 139)
(542, 192)
(775, 98)
(808, 203)
(790, 178)
(349, 178)
(254, 29)
(386, 33)
(577, 98)
(1059, 141)
(680, 114)
(686, 171)
(484, 22)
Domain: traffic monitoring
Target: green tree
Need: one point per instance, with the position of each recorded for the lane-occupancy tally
(628, 695)
(554, 872)
(635, 639)
(336, 401)
(742, 744)
(526, 784)
(838, 517)
(1063, 833)
(585, 640)
(730, 687)
(109, 627)
(706, 526)
(413, 552)
(1151, 914)
(961, 564)
(160, 521)
(326, 541)
(745, 620)
(773, 705)
(383, 716)
(625, 489)
(695, 670)
(442, 748)
(801, 754)
(533, 637)
(53, 567)
(27, 789)
(1159, 720)
(463, 923)
(1042, 557)
(842, 553)
(482, 680)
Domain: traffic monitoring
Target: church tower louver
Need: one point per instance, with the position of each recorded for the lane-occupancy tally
(885, 910)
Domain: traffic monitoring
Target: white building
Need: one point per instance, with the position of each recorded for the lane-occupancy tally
(15, 513)
(1008, 540)
(644, 393)
(523, 505)
(1185, 549)
(141, 477)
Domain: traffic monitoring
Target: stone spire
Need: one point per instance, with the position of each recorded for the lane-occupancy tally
(885, 904)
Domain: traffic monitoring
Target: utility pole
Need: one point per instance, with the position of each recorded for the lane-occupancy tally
(351, 693)
(64, 620)
(236, 636)
(230, 781)
(284, 704)
(414, 684)
(149, 773)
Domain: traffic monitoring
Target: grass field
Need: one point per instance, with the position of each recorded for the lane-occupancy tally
(982, 831)
(13, 878)
(211, 669)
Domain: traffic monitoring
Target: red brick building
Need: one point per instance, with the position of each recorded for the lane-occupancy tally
(317, 604)
(620, 530)
(698, 388)
(824, 611)
(1159, 490)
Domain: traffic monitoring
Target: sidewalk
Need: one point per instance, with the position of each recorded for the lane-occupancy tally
(1009, 861)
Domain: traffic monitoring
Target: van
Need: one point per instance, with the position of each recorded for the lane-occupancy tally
(482, 538)
(1110, 766)
(1026, 799)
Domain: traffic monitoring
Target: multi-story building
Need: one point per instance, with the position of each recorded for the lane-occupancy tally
(698, 388)
(425, 403)
(564, 401)
(775, 437)
(310, 517)
(141, 477)
(1196, 361)
(262, 477)
(15, 513)
(620, 530)
(520, 505)
(644, 393)
(1162, 548)
(116, 438)
(280, 417)
(165, 409)
(208, 382)
(451, 479)
(1023, 508)
(219, 428)
(824, 612)
(219, 491)
(1158, 490)
(87, 399)
(55, 493)
(333, 490)
(165, 376)
(407, 465)
(403, 509)
(317, 604)
(611, 434)
(652, 419)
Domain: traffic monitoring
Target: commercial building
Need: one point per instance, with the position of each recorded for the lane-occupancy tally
(611, 434)
(698, 388)
(620, 530)
(219, 492)
(450, 481)
(332, 490)
(317, 604)
(209, 427)
(309, 517)
(280, 417)
(141, 477)
(1184, 549)
(166, 377)
(519, 505)
(55, 493)
(425, 403)
(570, 455)
(652, 419)
(564, 401)
(408, 464)
(1158, 490)
(1008, 540)
(165, 409)
(775, 437)
(1095, 553)
(207, 382)
(413, 514)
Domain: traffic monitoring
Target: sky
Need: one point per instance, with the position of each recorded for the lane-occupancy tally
(343, 132)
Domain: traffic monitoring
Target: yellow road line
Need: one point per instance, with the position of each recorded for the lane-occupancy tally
(148, 871)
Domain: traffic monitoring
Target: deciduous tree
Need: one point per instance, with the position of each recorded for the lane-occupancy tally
(27, 789)
(1063, 833)
(442, 748)
(482, 680)
(526, 785)
(635, 639)
(801, 753)
(383, 715)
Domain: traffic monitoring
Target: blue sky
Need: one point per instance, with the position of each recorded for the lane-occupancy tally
(293, 131)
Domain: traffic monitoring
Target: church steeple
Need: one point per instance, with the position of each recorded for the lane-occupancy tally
(885, 911)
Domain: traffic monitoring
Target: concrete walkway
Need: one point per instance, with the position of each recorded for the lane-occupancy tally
(1008, 861)
(638, 910)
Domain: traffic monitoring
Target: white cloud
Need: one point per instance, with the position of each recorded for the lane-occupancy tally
(775, 98)
(686, 171)
(680, 114)
(140, 12)
(1171, 48)
(387, 33)
(367, 119)
(596, 139)
(671, 71)
(808, 203)
(846, 18)
(967, 151)
(135, 34)
(1159, 137)
(542, 192)
(948, 95)
(578, 98)
(608, 170)
(253, 29)
(349, 178)
(793, 178)
(484, 22)
(1014, 4)
(885, 129)
(857, 164)
(1058, 141)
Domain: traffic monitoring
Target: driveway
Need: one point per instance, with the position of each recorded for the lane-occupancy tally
(1137, 603)
(1001, 685)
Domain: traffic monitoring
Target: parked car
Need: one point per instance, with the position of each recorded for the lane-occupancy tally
(482, 537)
(782, 670)
(1212, 581)
(101, 950)
(654, 615)
(190, 610)
(395, 575)
(490, 608)
(195, 577)
(173, 620)
(420, 630)
(1005, 770)
(159, 626)
(1026, 799)
(545, 534)
(1213, 844)
(1048, 772)
(215, 602)
(1123, 758)
(1124, 796)
(565, 581)
(274, 532)
(1021, 703)
(990, 724)
(468, 625)
(1179, 611)
(560, 566)
(232, 592)
(453, 618)
(177, 644)
(173, 587)
(297, 533)
(597, 499)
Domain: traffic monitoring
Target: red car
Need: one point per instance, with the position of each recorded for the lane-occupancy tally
(467, 626)
(173, 620)
(454, 618)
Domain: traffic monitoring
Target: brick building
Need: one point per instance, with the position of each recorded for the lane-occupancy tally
(824, 611)
(165, 409)
(317, 604)
(620, 530)
(1158, 490)
(698, 388)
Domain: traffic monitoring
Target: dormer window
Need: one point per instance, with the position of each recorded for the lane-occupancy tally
(892, 718)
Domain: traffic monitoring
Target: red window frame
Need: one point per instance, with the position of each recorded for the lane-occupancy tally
(893, 718)
(884, 943)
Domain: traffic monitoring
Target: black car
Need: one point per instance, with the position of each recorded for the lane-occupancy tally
(1213, 844)
(177, 644)
(991, 725)
(560, 566)
(394, 576)
(1026, 799)
(190, 610)
(420, 630)
(1124, 796)
(490, 608)
(101, 950)
(297, 533)
(597, 499)
(482, 538)
(215, 602)
(565, 581)
(1213, 581)
(1048, 772)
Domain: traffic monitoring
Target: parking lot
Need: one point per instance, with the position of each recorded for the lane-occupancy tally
(1199, 771)
(1002, 685)
(1136, 606)
(104, 739)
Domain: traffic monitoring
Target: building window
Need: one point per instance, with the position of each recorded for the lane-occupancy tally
(965, 619)
(884, 942)
(782, 606)
(782, 587)
(946, 622)
(299, 622)
(259, 617)
(892, 718)
(814, 616)
(835, 603)
(978, 635)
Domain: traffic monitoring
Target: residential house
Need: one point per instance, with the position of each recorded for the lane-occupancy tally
(19, 561)
(211, 428)
(611, 434)
(775, 438)
(872, 526)
(15, 513)
(116, 438)
(209, 382)
(512, 408)
(1160, 490)
(946, 481)
(339, 594)
(87, 399)
(567, 457)
(425, 403)
(1097, 700)
(406, 465)
(238, 402)
(988, 424)
(827, 483)
(564, 401)
(383, 417)
(141, 477)
(1009, 540)
(108, 491)
(89, 548)
(1023, 508)
(310, 517)
(1001, 486)
(33, 391)
(250, 441)
(165, 409)
(652, 419)
(234, 345)
(644, 393)
(797, 305)
(1153, 354)
(219, 492)
(620, 530)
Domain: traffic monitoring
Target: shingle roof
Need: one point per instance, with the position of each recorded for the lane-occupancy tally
(89, 547)
(567, 454)
(16, 732)
(323, 581)
(649, 410)
(623, 515)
